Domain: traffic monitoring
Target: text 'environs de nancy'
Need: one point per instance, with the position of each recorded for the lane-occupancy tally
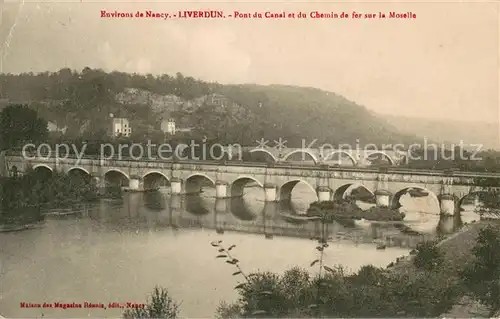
(215, 14)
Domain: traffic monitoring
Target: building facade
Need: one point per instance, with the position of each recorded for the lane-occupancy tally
(121, 127)
(168, 126)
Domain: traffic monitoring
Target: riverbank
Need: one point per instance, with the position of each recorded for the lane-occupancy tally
(457, 251)
(456, 248)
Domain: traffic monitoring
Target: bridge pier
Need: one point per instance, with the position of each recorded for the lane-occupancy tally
(176, 186)
(324, 193)
(221, 212)
(136, 184)
(98, 181)
(270, 210)
(270, 192)
(382, 198)
(221, 189)
(447, 205)
(175, 207)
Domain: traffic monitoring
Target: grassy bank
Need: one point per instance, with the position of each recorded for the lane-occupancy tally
(457, 252)
(456, 249)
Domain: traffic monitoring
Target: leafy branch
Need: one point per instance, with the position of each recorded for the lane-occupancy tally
(225, 253)
(322, 241)
(249, 285)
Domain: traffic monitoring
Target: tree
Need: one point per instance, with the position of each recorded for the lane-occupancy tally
(18, 125)
(482, 276)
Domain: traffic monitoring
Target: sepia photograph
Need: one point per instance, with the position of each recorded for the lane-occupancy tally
(249, 159)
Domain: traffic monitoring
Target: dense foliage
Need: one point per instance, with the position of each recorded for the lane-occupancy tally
(383, 214)
(19, 125)
(347, 209)
(330, 211)
(35, 188)
(428, 256)
(371, 292)
(159, 306)
(482, 275)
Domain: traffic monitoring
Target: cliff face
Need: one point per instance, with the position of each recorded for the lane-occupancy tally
(157, 102)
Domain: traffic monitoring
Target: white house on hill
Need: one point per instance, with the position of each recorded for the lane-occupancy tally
(121, 126)
(168, 126)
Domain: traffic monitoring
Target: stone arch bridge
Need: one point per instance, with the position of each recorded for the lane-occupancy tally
(278, 181)
(357, 157)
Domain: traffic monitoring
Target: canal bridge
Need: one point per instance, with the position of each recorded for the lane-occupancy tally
(230, 178)
(326, 155)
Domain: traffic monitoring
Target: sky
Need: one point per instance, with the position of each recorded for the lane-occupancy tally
(443, 64)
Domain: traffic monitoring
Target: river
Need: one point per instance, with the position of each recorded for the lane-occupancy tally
(117, 251)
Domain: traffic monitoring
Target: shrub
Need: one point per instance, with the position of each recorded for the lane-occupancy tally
(428, 256)
(159, 306)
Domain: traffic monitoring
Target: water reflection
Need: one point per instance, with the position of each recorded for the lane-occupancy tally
(156, 210)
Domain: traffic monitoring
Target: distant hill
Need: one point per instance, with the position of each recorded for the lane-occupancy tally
(449, 131)
(274, 111)
(226, 113)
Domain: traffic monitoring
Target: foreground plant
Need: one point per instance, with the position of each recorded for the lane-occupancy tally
(428, 256)
(160, 305)
(322, 244)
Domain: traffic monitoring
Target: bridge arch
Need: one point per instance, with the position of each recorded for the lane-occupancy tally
(196, 205)
(155, 172)
(476, 195)
(42, 166)
(384, 154)
(154, 179)
(195, 182)
(287, 188)
(263, 150)
(78, 168)
(238, 185)
(395, 204)
(242, 211)
(314, 158)
(116, 170)
(341, 191)
(80, 172)
(121, 178)
(330, 156)
(288, 206)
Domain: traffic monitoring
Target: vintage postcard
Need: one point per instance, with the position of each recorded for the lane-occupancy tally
(249, 159)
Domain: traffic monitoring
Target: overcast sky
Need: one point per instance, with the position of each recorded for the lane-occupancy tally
(443, 64)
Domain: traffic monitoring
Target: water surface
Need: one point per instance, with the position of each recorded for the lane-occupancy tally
(117, 251)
